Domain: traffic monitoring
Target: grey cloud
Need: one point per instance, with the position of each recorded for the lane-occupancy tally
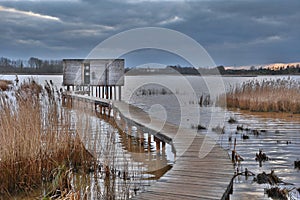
(233, 32)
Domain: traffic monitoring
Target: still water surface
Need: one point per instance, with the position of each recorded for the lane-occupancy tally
(182, 108)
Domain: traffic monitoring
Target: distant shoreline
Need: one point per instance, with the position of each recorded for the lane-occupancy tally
(171, 74)
(222, 75)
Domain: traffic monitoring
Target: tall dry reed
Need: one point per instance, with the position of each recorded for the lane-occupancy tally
(35, 139)
(275, 95)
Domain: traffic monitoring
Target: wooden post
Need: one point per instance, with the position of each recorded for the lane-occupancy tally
(163, 144)
(129, 129)
(102, 92)
(149, 142)
(141, 137)
(233, 151)
(157, 142)
(106, 91)
(120, 93)
(63, 100)
(109, 110)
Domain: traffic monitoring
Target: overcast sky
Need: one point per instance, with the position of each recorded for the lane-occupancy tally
(241, 32)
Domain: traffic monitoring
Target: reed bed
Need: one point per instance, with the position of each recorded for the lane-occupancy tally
(43, 150)
(35, 140)
(275, 95)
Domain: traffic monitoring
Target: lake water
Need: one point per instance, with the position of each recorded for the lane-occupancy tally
(181, 107)
(176, 99)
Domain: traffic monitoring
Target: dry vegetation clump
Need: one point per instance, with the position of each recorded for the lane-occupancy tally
(281, 95)
(35, 140)
(5, 85)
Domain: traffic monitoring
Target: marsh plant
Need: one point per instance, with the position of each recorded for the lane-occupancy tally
(45, 148)
(275, 95)
(35, 139)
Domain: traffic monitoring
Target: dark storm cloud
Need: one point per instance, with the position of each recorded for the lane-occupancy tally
(233, 32)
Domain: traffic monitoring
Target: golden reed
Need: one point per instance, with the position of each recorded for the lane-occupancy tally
(35, 139)
(275, 95)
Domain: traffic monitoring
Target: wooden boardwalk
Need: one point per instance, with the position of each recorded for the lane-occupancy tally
(191, 177)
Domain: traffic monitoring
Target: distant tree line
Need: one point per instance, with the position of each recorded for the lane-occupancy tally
(31, 66)
(289, 70)
(38, 66)
(176, 69)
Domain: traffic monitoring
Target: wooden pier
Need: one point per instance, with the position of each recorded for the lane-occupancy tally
(191, 177)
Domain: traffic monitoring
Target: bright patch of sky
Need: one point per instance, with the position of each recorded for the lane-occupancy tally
(28, 13)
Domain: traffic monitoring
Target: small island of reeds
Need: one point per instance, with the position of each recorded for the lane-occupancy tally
(273, 95)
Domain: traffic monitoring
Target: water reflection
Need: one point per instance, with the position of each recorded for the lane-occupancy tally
(278, 137)
(130, 160)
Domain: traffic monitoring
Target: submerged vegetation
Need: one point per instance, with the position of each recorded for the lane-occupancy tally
(281, 95)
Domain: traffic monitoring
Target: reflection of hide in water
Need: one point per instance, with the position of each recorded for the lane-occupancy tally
(151, 152)
(144, 151)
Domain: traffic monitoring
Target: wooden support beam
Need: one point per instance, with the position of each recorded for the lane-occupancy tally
(120, 93)
(149, 142)
(102, 92)
(157, 142)
(163, 145)
(97, 91)
(106, 91)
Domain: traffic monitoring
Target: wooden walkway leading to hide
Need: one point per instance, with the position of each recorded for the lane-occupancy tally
(191, 177)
